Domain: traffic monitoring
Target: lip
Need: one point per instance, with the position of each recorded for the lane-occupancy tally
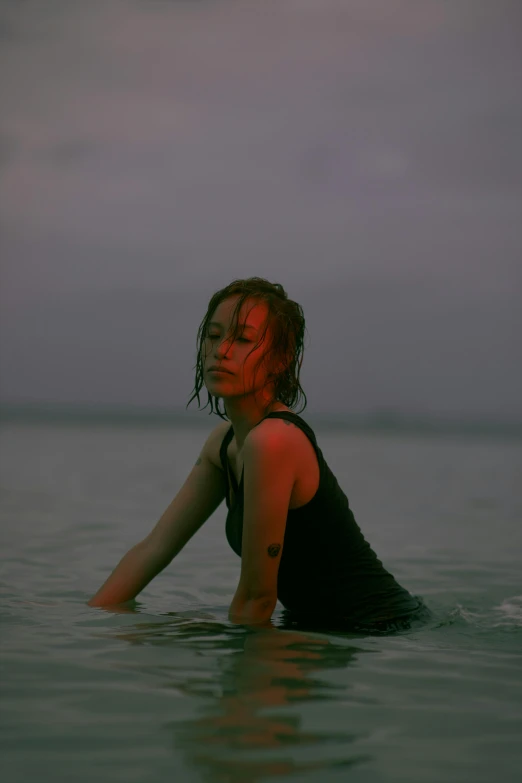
(217, 369)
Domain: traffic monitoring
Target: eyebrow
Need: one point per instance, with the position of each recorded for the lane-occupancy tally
(246, 326)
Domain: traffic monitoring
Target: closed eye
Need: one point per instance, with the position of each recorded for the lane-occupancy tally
(215, 337)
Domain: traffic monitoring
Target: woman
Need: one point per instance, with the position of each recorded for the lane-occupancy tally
(288, 519)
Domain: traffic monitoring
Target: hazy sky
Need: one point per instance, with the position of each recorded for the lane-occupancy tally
(367, 155)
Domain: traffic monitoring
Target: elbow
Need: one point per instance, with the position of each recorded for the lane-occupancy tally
(252, 611)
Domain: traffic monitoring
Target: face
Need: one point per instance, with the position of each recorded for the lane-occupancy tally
(239, 357)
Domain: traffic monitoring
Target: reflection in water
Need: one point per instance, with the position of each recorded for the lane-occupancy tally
(243, 734)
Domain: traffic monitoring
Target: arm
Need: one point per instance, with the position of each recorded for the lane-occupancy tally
(269, 477)
(134, 572)
(196, 501)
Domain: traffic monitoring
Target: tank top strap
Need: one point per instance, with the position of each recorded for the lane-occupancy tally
(229, 476)
(224, 443)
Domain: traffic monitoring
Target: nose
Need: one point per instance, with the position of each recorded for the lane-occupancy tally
(221, 349)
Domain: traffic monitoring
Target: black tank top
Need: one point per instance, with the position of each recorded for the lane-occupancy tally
(327, 568)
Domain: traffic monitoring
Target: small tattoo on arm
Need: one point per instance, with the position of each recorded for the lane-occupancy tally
(198, 461)
(273, 550)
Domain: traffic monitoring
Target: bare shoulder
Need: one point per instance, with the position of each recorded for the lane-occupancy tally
(280, 430)
(275, 450)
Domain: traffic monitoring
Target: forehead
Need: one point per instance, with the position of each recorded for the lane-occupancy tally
(252, 313)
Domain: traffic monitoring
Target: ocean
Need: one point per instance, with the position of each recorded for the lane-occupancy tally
(167, 689)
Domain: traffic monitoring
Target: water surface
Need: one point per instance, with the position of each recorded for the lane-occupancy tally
(169, 689)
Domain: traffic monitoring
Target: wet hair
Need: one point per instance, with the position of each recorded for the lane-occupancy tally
(286, 323)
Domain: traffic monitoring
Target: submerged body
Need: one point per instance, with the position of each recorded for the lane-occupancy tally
(328, 573)
(288, 519)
